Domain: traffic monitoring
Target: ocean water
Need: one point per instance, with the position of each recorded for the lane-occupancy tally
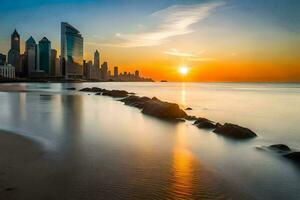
(105, 149)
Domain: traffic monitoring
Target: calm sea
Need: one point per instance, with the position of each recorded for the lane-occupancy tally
(108, 150)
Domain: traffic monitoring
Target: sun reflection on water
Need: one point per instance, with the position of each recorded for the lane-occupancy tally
(182, 167)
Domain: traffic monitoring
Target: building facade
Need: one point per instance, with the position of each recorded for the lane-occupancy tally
(7, 71)
(53, 62)
(44, 55)
(116, 72)
(71, 51)
(14, 52)
(2, 59)
(104, 71)
(31, 56)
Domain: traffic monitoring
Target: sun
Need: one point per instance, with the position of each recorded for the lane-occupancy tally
(183, 70)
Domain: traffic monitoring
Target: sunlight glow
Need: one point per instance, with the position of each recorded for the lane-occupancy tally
(183, 70)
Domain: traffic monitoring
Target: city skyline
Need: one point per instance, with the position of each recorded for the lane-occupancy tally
(217, 40)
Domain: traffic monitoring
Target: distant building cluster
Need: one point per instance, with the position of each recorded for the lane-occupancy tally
(39, 60)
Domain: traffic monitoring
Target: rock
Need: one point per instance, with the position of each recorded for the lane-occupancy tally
(294, 156)
(71, 88)
(115, 93)
(85, 90)
(93, 89)
(164, 110)
(135, 101)
(280, 147)
(234, 131)
(188, 108)
(204, 123)
(191, 118)
(10, 189)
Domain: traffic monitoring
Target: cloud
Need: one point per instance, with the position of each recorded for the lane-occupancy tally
(174, 21)
(189, 56)
(175, 52)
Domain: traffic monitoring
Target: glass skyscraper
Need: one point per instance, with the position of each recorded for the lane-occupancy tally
(71, 51)
(44, 53)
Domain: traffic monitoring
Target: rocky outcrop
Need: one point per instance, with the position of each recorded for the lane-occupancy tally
(115, 93)
(71, 88)
(234, 131)
(161, 109)
(204, 123)
(156, 107)
(135, 101)
(294, 156)
(93, 89)
(280, 147)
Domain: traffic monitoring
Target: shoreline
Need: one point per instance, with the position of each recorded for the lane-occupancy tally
(16, 153)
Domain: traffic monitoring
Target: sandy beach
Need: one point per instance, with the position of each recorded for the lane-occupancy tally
(17, 156)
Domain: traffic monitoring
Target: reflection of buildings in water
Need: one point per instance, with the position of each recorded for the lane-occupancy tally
(182, 167)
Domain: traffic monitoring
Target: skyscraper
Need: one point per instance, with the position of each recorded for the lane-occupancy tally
(104, 69)
(45, 54)
(53, 62)
(2, 59)
(97, 59)
(14, 52)
(71, 51)
(116, 72)
(31, 54)
(137, 73)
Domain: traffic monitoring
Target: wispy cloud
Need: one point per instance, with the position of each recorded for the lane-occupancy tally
(173, 21)
(188, 55)
(175, 52)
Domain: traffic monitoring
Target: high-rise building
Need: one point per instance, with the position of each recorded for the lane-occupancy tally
(2, 59)
(53, 62)
(44, 55)
(116, 72)
(14, 52)
(31, 56)
(71, 51)
(88, 70)
(137, 73)
(97, 59)
(104, 70)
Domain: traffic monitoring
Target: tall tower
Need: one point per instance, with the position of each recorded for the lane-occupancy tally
(71, 51)
(15, 41)
(53, 70)
(14, 52)
(116, 72)
(31, 56)
(97, 59)
(45, 55)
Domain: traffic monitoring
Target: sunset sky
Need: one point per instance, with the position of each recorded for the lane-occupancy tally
(228, 40)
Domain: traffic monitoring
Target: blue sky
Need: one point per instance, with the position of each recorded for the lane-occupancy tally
(131, 26)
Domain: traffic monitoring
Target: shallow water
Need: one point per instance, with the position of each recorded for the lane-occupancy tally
(112, 150)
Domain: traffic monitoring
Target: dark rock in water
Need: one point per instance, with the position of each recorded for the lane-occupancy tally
(71, 88)
(234, 131)
(93, 89)
(191, 118)
(188, 108)
(294, 156)
(85, 90)
(164, 110)
(10, 189)
(204, 123)
(135, 101)
(280, 147)
(115, 93)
